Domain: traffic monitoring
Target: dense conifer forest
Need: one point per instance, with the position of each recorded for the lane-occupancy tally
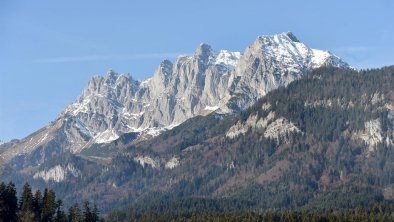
(214, 210)
(40, 206)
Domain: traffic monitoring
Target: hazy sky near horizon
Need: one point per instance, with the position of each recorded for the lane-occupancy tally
(50, 49)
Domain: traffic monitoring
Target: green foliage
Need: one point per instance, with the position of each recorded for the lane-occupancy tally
(26, 210)
(40, 208)
(209, 210)
(74, 214)
(37, 205)
(8, 202)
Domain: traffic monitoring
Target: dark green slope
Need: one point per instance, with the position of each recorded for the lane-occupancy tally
(325, 164)
(324, 161)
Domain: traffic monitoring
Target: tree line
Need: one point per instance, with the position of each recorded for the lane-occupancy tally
(40, 207)
(205, 210)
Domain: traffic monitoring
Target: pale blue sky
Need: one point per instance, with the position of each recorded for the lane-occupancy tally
(50, 49)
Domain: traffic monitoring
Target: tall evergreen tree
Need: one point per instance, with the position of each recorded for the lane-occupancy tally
(74, 214)
(8, 202)
(2, 199)
(26, 204)
(90, 215)
(87, 212)
(60, 215)
(37, 205)
(95, 213)
(49, 205)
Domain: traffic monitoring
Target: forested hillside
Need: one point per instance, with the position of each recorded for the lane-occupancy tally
(323, 142)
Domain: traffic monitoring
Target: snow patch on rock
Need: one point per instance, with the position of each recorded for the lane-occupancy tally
(106, 136)
(211, 108)
(228, 59)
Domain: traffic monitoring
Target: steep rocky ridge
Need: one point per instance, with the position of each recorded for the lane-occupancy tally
(207, 81)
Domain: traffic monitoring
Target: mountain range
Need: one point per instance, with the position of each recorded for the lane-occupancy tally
(207, 81)
(278, 126)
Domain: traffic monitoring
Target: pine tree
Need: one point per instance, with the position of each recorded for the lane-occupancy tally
(95, 213)
(88, 214)
(74, 214)
(26, 204)
(37, 205)
(49, 205)
(60, 215)
(11, 203)
(2, 199)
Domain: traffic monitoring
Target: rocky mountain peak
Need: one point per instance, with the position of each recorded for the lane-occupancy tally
(110, 77)
(204, 52)
(166, 67)
(207, 81)
(291, 36)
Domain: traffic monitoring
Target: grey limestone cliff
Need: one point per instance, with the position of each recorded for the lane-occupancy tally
(193, 85)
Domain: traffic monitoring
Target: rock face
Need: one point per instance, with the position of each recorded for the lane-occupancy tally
(193, 85)
(57, 173)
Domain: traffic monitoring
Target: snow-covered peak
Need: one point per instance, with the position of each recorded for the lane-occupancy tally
(1, 142)
(290, 35)
(294, 55)
(320, 58)
(227, 58)
(204, 82)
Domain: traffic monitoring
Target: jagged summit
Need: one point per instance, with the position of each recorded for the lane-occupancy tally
(291, 36)
(203, 50)
(283, 35)
(207, 81)
(289, 51)
(111, 72)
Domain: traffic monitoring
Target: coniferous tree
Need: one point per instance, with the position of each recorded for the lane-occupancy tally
(49, 205)
(90, 215)
(26, 204)
(74, 214)
(2, 199)
(60, 215)
(9, 207)
(40, 207)
(87, 213)
(37, 205)
(95, 213)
